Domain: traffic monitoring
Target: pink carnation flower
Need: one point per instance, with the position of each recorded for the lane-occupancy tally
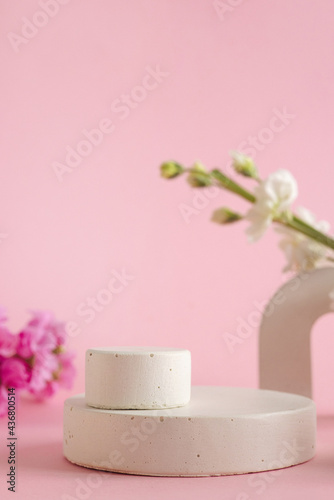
(60, 373)
(47, 391)
(14, 372)
(43, 367)
(36, 359)
(41, 342)
(42, 334)
(54, 330)
(67, 371)
(8, 342)
(3, 401)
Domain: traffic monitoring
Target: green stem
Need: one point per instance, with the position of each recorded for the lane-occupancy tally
(313, 233)
(302, 227)
(229, 184)
(295, 223)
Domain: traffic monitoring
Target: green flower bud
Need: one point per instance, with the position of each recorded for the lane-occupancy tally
(199, 167)
(225, 216)
(199, 176)
(171, 169)
(244, 165)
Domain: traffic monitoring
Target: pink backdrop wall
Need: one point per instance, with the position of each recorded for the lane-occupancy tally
(202, 80)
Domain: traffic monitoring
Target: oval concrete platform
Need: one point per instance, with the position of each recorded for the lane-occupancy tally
(221, 431)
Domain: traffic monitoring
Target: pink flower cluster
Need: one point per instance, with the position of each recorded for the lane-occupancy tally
(35, 359)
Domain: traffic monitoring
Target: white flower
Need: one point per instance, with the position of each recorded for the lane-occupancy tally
(273, 197)
(243, 164)
(302, 253)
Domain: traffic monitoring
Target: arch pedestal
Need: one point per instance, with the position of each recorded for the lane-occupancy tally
(285, 331)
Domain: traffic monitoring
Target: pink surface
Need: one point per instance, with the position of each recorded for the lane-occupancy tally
(44, 473)
(202, 80)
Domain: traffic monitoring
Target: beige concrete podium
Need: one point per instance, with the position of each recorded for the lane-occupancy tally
(221, 431)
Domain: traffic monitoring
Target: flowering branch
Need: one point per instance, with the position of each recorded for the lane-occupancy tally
(299, 225)
(305, 241)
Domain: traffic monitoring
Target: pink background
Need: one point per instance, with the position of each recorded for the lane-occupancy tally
(191, 282)
(225, 76)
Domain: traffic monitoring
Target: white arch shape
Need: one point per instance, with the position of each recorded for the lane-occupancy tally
(285, 331)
